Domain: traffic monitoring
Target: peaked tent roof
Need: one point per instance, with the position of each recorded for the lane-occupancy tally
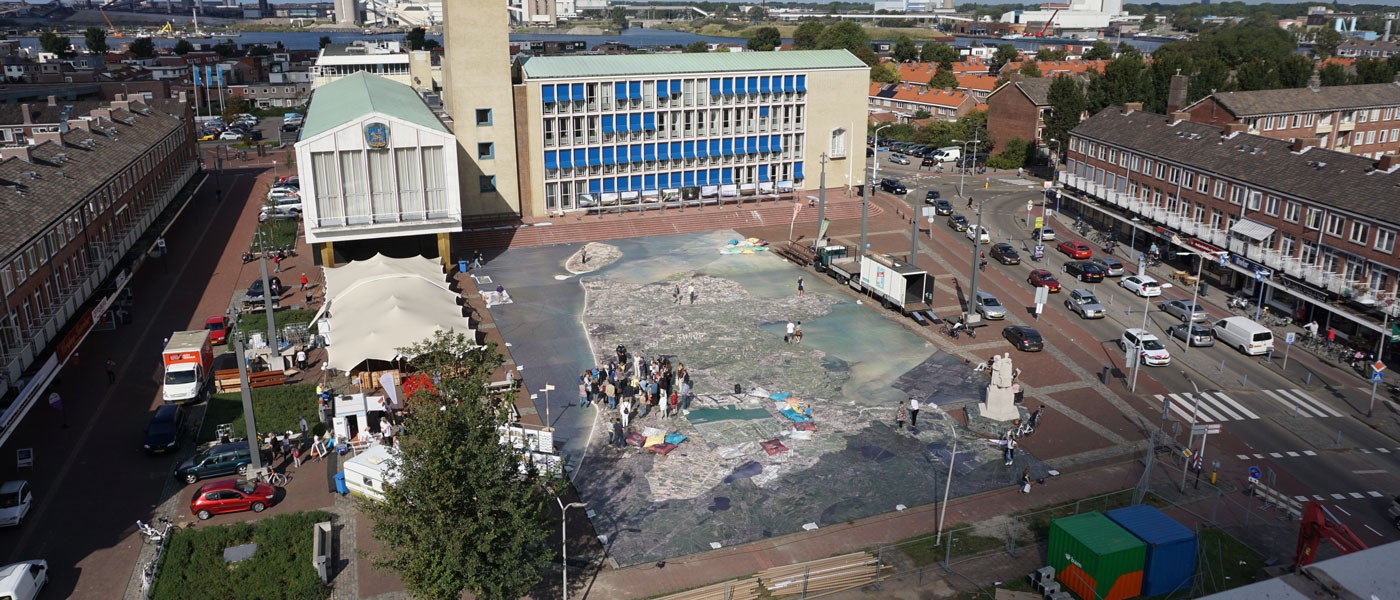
(357, 95)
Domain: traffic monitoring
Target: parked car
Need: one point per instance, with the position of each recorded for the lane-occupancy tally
(1111, 267)
(291, 181)
(1025, 339)
(1005, 254)
(230, 496)
(1044, 278)
(15, 499)
(291, 127)
(231, 136)
(284, 190)
(957, 222)
(985, 236)
(207, 136)
(893, 186)
(972, 162)
(949, 153)
(279, 213)
(989, 307)
(1043, 234)
(254, 134)
(1075, 249)
(942, 207)
(1085, 304)
(1193, 335)
(1142, 285)
(1084, 271)
(899, 159)
(255, 290)
(23, 580)
(1150, 349)
(163, 430)
(929, 161)
(1182, 308)
(218, 329)
(220, 459)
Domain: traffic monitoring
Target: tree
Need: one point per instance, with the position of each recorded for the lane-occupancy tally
(904, 49)
(143, 47)
(1030, 69)
(1123, 80)
(325, 41)
(699, 47)
(1326, 41)
(96, 40)
(1005, 54)
(260, 50)
(921, 114)
(884, 73)
(1014, 154)
(1099, 51)
(1376, 70)
(1067, 102)
(1051, 54)
(183, 47)
(806, 35)
(758, 13)
(852, 37)
(54, 43)
(934, 52)
(1333, 74)
(943, 79)
(1295, 71)
(233, 107)
(460, 516)
(226, 48)
(1149, 22)
(765, 39)
(417, 39)
(618, 18)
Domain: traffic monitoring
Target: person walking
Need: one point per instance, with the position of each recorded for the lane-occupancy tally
(913, 412)
(626, 409)
(111, 371)
(301, 359)
(1009, 452)
(692, 293)
(1026, 480)
(791, 329)
(799, 285)
(676, 294)
(277, 264)
(304, 281)
(900, 416)
(619, 432)
(797, 333)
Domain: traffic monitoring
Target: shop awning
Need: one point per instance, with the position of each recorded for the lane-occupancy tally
(1252, 229)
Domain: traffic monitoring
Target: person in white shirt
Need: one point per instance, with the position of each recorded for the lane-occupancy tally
(913, 412)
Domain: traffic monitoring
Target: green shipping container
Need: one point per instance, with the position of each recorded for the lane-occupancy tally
(1095, 558)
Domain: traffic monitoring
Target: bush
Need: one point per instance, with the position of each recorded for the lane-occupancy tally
(276, 408)
(256, 321)
(194, 566)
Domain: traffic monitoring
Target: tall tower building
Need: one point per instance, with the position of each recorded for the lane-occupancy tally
(480, 97)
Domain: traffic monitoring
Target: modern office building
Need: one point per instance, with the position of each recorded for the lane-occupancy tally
(1310, 232)
(608, 129)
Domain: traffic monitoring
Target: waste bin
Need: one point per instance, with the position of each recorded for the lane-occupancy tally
(461, 266)
(340, 487)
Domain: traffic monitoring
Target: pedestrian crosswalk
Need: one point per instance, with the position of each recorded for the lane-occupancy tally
(1216, 407)
(1342, 496)
(1307, 453)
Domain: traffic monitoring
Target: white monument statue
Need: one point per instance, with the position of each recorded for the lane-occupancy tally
(1000, 404)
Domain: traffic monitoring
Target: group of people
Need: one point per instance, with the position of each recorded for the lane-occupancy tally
(634, 386)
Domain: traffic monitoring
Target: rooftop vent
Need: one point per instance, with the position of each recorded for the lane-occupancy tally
(31, 174)
(61, 157)
(88, 143)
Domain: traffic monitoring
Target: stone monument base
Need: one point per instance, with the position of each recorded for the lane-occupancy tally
(985, 425)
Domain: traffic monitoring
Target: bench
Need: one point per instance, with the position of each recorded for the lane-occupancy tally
(226, 380)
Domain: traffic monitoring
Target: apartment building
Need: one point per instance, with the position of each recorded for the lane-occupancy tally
(1358, 119)
(604, 129)
(907, 100)
(20, 122)
(1310, 231)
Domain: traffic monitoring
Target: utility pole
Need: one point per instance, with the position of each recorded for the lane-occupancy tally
(972, 294)
(821, 203)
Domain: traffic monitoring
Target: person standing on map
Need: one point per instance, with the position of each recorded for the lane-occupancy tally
(900, 416)
(913, 412)
(799, 285)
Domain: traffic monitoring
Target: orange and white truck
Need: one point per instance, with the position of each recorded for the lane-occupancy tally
(189, 361)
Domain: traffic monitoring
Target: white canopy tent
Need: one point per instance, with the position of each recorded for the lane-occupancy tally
(382, 304)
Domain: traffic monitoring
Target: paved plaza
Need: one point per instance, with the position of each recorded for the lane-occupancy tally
(721, 487)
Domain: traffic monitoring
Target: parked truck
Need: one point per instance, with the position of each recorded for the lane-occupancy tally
(897, 284)
(189, 362)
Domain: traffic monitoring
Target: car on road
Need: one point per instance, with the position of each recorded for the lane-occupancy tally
(1182, 308)
(1193, 335)
(932, 196)
(942, 207)
(1084, 271)
(1084, 303)
(899, 159)
(163, 430)
(1151, 349)
(1006, 254)
(23, 580)
(231, 135)
(15, 499)
(989, 307)
(1142, 285)
(1044, 278)
(218, 329)
(207, 136)
(1075, 249)
(893, 186)
(1394, 512)
(1025, 339)
(985, 237)
(957, 222)
(230, 496)
(1111, 267)
(220, 459)
(1043, 234)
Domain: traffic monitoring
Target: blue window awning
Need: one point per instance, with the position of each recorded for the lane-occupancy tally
(663, 89)
(620, 121)
(764, 145)
(623, 185)
(714, 176)
(608, 157)
(663, 152)
(675, 87)
(787, 84)
(676, 151)
(563, 93)
(636, 182)
(753, 85)
(702, 150)
(728, 147)
(702, 177)
(609, 185)
(620, 90)
(650, 153)
(634, 90)
(763, 111)
(649, 122)
(765, 84)
(741, 86)
(565, 159)
(594, 186)
(797, 171)
(729, 86)
(607, 124)
(579, 94)
(690, 149)
(714, 87)
(634, 122)
(649, 182)
(637, 155)
(550, 162)
(593, 158)
(728, 176)
(547, 93)
(763, 172)
(777, 143)
(688, 179)
(801, 83)
(580, 158)
(621, 155)
(751, 145)
(714, 148)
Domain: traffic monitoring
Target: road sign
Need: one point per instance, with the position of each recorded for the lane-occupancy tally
(1205, 428)
(1042, 295)
(1378, 366)
(927, 211)
(1377, 377)
(1030, 206)
(1039, 222)
(1288, 339)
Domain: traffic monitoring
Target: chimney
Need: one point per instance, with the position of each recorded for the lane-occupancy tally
(101, 113)
(1388, 162)
(1303, 143)
(28, 116)
(79, 124)
(53, 100)
(183, 97)
(1131, 107)
(1314, 82)
(1180, 116)
(1176, 92)
(121, 104)
(46, 136)
(1233, 128)
(20, 152)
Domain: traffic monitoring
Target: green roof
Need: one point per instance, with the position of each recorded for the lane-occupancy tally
(618, 65)
(357, 95)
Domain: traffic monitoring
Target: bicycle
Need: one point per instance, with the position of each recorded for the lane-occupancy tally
(153, 535)
(277, 479)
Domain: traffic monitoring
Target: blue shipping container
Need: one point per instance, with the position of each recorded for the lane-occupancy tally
(1171, 548)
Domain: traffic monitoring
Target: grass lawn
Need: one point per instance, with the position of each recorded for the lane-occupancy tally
(194, 565)
(922, 552)
(274, 233)
(1225, 562)
(256, 321)
(276, 408)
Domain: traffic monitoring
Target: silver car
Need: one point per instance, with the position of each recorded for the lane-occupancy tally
(899, 159)
(1111, 266)
(990, 308)
(1084, 303)
(1195, 335)
(1181, 308)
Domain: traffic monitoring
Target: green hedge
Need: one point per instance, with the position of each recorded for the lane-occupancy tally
(276, 408)
(256, 321)
(194, 565)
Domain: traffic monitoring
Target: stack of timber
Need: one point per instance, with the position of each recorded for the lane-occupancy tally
(826, 575)
(736, 589)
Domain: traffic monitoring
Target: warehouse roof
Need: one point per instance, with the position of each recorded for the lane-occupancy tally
(619, 65)
(353, 96)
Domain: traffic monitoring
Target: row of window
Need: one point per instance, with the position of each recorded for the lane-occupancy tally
(1373, 115)
(572, 130)
(585, 193)
(670, 92)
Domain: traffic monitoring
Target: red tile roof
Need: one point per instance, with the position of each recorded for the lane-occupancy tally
(919, 94)
(1051, 68)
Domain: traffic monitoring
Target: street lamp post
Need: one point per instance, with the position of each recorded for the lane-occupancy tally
(1380, 352)
(962, 171)
(821, 202)
(865, 195)
(1195, 289)
(947, 486)
(564, 539)
(1137, 348)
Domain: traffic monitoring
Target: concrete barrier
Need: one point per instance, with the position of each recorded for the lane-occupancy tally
(322, 550)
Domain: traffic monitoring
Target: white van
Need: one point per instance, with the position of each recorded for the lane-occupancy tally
(1244, 335)
(951, 153)
(23, 580)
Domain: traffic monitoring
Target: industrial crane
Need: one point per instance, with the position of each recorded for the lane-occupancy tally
(113, 28)
(1319, 524)
(1041, 33)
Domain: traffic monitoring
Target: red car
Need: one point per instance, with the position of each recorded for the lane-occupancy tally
(230, 496)
(1076, 250)
(1043, 278)
(218, 329)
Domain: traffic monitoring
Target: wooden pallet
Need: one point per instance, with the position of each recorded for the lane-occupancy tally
(821, 576)
(736, 589)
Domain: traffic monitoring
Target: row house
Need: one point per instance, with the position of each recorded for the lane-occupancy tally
(907, 100)
(1312, 232)
(19, 123)
(1358, 119)
(1359, 48)
(273, 95)
(918, 73)
(1018, 109)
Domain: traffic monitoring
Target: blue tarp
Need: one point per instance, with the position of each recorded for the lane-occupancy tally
(674, 438)
(795, 416)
